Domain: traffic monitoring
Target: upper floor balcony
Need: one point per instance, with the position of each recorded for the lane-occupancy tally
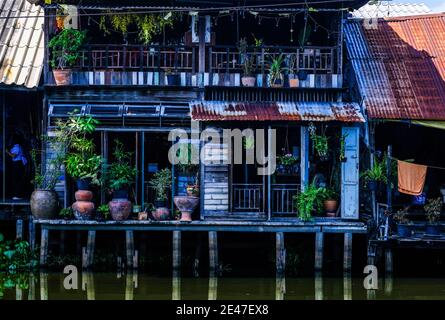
(216, 65)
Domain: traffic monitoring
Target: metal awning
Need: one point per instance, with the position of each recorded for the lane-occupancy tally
(275, 111)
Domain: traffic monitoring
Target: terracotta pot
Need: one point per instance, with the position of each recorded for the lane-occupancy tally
(331, 206)
(62, 77)
(293, 83)
(186, 204)
(248, 81)
(120, 209)
(83, 210)
(83, 195)
(44, 204)
(161, 213)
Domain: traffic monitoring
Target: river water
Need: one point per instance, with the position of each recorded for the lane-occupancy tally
(134, 286)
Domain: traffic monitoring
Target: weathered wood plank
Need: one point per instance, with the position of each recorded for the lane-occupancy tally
(347, 254)
(280, 254)
(319, 244)
(44, 246)
(213, 252)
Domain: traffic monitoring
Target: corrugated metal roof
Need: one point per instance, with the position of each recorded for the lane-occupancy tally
(400, 66)
(275, 111)
(21, 43)
(384, 9)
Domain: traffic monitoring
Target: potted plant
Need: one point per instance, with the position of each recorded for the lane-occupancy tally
(120, 175)
(330, 201)
(433, 210)
(319, 142)
(404, 228)
(375, 175)
(44, 200)
(308, 202)
(287, 163)
(173, 77)
(66, 213)
(103, 212)
(294, 81)
(276, 70)
(248, 80)
(65, 52)
(161, 182)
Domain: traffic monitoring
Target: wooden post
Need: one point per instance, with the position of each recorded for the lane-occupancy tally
(213, 252)
(91, 242)
(319, 244)
(32, 232)
(202, 48)
(347, 286)
(389, 284)
(388, 261)
(43, 286)
(19, 229)
(88, 285)
(129, 286)
(176, 251)
(129, 240)
(44, 245)
(347, 254)
(318, 286)
(32, 287)
(280, 287)
(280, 254)
(213, 287)
(176, 285)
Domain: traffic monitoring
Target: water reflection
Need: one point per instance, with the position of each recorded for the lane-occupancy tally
(131, 285)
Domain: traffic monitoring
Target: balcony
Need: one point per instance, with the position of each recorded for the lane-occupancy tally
(135, 65)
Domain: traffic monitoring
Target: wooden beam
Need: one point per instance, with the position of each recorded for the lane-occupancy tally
(213, 252)
(44, 238)
(176, 250)
(319, 244)
(280, 254)
(347, 254)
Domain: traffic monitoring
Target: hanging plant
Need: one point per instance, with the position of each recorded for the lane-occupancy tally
(320, 142)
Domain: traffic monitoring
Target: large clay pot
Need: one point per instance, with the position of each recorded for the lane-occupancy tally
(161, 213)
(44, 204)
(120, 209)
(186, 204)
(83, 195)
(83, 210)
(331, 207)
(248, 81)
(62, 77)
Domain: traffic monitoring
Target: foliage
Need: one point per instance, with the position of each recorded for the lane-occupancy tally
(66, 213)
(65, 48)
(342, 151)
(104, 210)
(320, 142)
(308, 201)
(81, 162)
(188, 154)
(16, 255)
(304, 35)
(120, 173)
(328, 194)
(401, 216)
(47, 179)
(276, 68)
(160, 182)
(247, 62)
(287, 159)
(433, 209)
(376, 173)
(148, 25)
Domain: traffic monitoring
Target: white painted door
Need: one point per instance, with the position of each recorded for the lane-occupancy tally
(350, 174)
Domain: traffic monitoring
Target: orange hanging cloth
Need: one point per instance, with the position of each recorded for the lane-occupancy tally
(411, 177)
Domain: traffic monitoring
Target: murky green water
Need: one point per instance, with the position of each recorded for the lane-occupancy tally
(133, 286)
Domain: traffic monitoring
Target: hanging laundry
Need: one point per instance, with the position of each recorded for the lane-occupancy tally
(411, 177)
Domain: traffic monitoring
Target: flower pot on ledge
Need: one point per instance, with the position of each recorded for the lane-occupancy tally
(186, 204)
(248, 81)
(62, 77)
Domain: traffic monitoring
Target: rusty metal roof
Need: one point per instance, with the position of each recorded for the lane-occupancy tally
(400, 66)
(21, 43)
(275, 111)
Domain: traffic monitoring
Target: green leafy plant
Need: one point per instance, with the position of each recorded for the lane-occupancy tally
(65, 48)
(16, 255)
(287, 159)
(66, 213)
(376, 173)
(160, 183)
(48, 178)
(121, 174)
(401, 217)
(104, 210)
(319, 142)
(247, 61)
(433, 210)
(308, 201)
(276, 69)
